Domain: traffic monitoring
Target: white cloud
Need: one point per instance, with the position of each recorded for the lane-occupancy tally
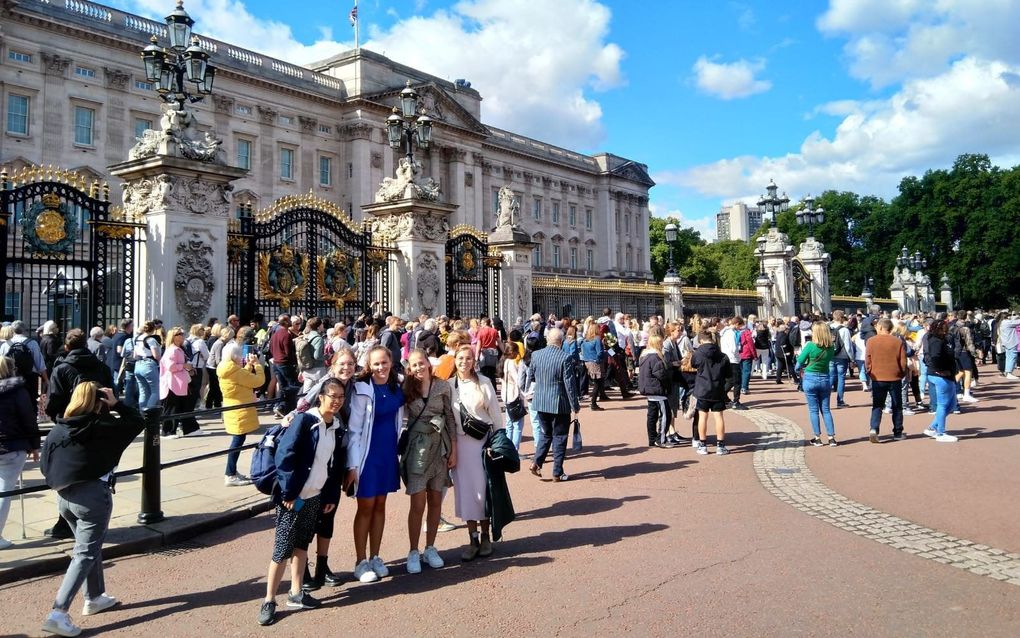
(893, 40)
(704, 225)
(730, 80)
(971, 107)
(535, 63)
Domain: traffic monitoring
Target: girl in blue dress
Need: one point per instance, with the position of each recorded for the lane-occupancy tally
(372, 468)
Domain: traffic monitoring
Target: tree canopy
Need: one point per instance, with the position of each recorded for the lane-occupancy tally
(965, 221)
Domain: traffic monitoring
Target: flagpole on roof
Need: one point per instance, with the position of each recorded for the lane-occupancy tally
(354, 22)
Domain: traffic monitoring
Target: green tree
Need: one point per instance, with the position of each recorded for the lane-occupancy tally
(687, 239)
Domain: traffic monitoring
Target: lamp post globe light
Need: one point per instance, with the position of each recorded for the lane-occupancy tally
(671, 232)
(182, 73)
(809, 215)
(405, 126)
(869, 286)
(772, 204)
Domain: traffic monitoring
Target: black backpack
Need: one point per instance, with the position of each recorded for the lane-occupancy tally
(793, 337)
(24, 362)
(837, 342)
(189, 352)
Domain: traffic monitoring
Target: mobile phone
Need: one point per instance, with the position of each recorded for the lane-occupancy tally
(350, 490)
(298, 504)
(245, 351)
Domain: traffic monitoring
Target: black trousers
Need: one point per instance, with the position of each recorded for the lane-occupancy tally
(735, 381)
(657, 422)
(176, 404)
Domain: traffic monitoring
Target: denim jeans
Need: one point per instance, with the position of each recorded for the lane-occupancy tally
(837, 377)
(10, 467)
(943, 396)
(536, 429)
(862, 374)
(555, 428)
(879, 391)
(286, 382)
(1010, 360)
(745, 374)
(86, 507)
(514, 429)
(236, 441)
(927, 387)
(130, 389)
(147, 377)
(818, 390)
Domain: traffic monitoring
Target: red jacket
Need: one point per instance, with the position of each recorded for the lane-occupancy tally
(747, 349)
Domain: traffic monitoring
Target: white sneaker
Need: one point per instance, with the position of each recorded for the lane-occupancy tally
(930, 432)
(721, 450)
(969, 399)
(102, 602)
(4, 543)
(1012, 377)
(702, 449)
(379, 567)
(974, 384)
(236, 480)
(908, 412)
(413, 562)
(432, 557)
(364, 573)
(59, 623)
(198, 432)
(946, 438)
(695, 443)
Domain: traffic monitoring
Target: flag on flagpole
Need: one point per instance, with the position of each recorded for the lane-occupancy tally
(353, 17)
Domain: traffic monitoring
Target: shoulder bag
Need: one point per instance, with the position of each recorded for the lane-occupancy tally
(475, 428)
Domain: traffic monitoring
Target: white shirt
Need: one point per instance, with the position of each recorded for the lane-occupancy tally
(623, 337)
(323, 454)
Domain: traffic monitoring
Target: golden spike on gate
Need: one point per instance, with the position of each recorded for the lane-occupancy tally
(106, 191)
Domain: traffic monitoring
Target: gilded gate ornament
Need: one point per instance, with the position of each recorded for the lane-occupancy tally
(338, 275)
(47, 228)
(283, 275)
(467, 263)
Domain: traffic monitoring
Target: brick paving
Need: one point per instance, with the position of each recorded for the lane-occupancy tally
(781, 468)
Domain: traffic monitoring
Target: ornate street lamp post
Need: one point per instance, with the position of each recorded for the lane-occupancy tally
(810, 215)
(181, 73)
(671, 232)
(869, 286)
(405, 126)
(771, 204)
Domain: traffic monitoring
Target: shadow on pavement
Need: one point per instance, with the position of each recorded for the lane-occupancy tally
(580, 507)
(632, 469)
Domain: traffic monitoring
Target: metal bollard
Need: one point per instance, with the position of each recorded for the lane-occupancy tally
(151, 512)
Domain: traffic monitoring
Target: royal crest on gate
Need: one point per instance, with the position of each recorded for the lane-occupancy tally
(47, 228)
(338, 277)
(283, 275)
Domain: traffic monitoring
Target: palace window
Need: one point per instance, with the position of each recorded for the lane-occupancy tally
(244, 154)
(556, 256)
(143, 85)
(286, 120)
(587, 218)
(591, 259)
(84, 72)
(572, 215)
(84, 121)
(573, 258)
(536, 256)
(18, 56)
(242, 110)
(17, 114)
(537, 209)
(287, 163)
(142, 125)
(325, 129)
(555, 212)
(325, 171)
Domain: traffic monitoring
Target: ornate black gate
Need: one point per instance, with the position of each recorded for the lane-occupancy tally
(302, 256)
(472, 275)
(64, 254)
(802, 301)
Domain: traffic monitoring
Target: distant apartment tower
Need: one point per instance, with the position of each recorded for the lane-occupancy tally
(737, 221)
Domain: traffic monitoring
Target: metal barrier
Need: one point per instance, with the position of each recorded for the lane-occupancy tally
(151, 508)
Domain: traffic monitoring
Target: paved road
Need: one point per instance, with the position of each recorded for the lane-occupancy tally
(639, 542)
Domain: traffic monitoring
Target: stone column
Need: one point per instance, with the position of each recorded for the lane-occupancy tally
(816, 264)
(946, 293)
(779, 268)
(455, 191)
(182, 272)
(674, 301)
(418, 230)
(515, 246)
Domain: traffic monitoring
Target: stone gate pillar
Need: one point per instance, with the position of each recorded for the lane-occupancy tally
(816, 264)
(897, 291)
(418, 230)
(673, 289)
(515, 281)
(778, 259)
(946, 293)
(177, 180)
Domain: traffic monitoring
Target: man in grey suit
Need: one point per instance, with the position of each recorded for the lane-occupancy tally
(552, 374)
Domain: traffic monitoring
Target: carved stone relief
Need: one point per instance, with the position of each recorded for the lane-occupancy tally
(523, 296)
(267, 115)
(192, 281)
(116, 79)
(56, 64)
(147, 195)
(427, 268)
(308, 124)
(408, 184)
(376, 160)
(223, 103)
(428, 226)
(202, 198)
(179, 136)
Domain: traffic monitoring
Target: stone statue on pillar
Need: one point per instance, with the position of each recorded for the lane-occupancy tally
(509, 215)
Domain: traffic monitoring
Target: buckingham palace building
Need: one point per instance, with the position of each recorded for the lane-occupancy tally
(75, 96)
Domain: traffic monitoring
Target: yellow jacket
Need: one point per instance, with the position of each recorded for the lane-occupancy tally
(238, 385)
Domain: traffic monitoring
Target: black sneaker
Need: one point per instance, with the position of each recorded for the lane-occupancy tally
(665, 445)
(267, 615)
(899, 437)
(842, 405)
(332, 578)
(676, 439)
(832, 441)
(302, 600)
(739, 406)
(815, 441)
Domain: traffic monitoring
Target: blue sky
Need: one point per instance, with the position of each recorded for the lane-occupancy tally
(715, 97)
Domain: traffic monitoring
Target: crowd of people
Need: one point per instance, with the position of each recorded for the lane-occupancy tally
(371, 403)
